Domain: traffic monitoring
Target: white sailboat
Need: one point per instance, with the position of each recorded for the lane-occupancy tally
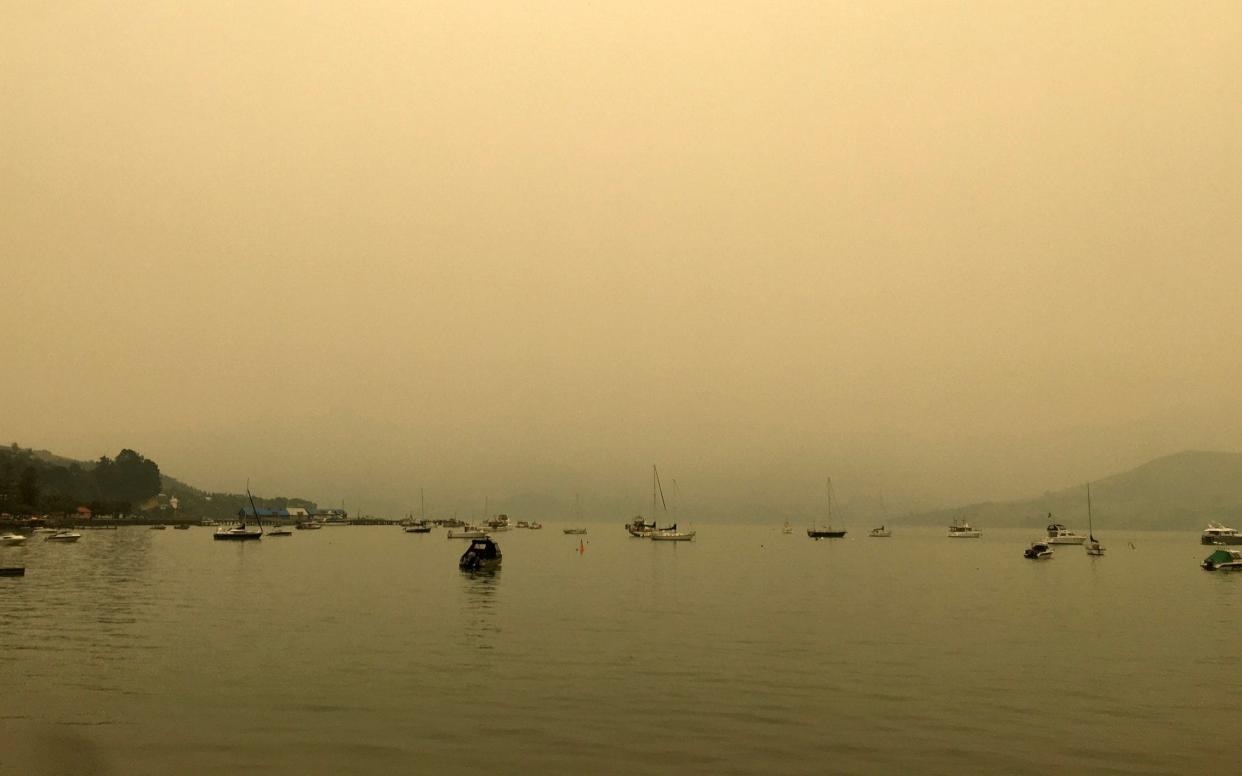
(1093, 545)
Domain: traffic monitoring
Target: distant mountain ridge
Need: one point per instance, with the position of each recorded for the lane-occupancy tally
(1182, 491)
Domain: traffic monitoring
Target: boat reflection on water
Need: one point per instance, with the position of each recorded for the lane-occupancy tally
(480, 609)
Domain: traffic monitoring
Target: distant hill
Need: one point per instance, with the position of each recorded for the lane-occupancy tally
(39, 481)
(1177, 492)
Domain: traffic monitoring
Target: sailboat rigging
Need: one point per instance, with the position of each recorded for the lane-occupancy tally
(827, 532)
(1093, 545)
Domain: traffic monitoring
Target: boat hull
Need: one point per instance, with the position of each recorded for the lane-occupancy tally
(1226, 539)
(236, 537)
(672, 537)
(814, 534)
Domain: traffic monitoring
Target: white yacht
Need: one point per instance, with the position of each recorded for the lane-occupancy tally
(12, 539)
(960, 529)
(671, 535)
(1217, 533)
(63, 536)
(1059, 534)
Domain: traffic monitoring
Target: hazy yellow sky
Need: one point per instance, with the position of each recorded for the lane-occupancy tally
(942, 251)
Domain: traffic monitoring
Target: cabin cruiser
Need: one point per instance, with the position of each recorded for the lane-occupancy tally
(482, 555)
(241, 532)
(960, 529)
(1216, 533)
(63, 536)
(1059, 534)
(882, 532)
(1038, 551)
(1223, 560)
(638, 527)
(12, 539)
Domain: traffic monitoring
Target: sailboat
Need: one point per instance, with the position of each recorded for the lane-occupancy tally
(670, 534)
(241, 531)
(1093, 545)
(827, 532)
(420, 526)
(577, 531)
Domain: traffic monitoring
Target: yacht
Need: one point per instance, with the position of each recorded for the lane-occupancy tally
(12, 539)
(1216, 533)
(960, 529)
(63, 536)
(1038, 551)
(1059, 534)
(482, 555)
(1223, 560)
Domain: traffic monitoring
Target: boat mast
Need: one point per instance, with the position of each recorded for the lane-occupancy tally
(1090, 528)
(253, 508)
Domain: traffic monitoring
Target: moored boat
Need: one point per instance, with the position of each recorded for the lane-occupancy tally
(960, 529)
(483, 554)
(827, 532)
(672, 535)
(883, 532)
(1218, 533)
(575, 531)
(1223, 560)
(639, 527)
(1038, 551)
(1059, 534)
(468, 532)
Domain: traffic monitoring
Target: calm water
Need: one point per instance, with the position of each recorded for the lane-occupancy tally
(364, 650)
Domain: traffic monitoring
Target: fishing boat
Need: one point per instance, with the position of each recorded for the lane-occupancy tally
(1038, 551)
(960, 529)
(483, 554)
(827, 532)
(1094, 548)
(1223, 560)
(63, 536)
(12, 539)
(241, 531)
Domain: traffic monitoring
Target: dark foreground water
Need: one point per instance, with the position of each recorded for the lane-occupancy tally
(364, 650)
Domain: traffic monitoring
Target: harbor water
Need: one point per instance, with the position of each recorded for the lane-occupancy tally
(364, 650)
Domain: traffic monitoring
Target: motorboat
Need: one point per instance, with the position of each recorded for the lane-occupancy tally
(640, 528)
(181, 527)
(498, 523)
(12, 539)
(308, 525)
(575, 531)
(44, 529)
(1059, 534)
(523, 524)
(279, 530)
(207, 522)
(483, 554)
(157, 527)
(468, 532)
(240, 532)
(883, 532)
(1223, 560)
(1038, 551)
(63, 536)
(960, 529)
(672, 535)
(1217, 533)
(536, 526)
